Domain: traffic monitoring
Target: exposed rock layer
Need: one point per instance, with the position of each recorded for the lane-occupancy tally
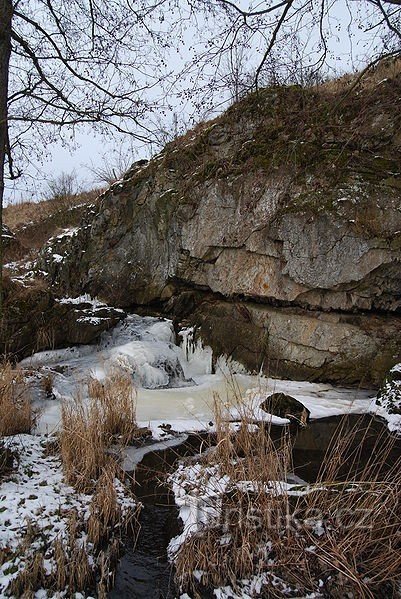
(34, 320)
(287, 211)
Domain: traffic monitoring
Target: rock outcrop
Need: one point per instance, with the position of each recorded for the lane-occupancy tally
(34, 319)
(276, 228)
(286, 406)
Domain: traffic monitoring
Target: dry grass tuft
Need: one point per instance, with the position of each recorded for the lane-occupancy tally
(16, 413)
(342, 530)
(30, 579)
(89, 428)
(116, 398)
(105, 511)
(73, 569)
(107, 564)
(82, 444)
(47, 382)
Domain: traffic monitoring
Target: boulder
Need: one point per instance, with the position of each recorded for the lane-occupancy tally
(285, 406)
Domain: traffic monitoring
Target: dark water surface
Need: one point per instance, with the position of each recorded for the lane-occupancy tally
(144, 571)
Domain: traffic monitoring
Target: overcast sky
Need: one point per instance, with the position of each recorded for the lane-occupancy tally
(88, 149)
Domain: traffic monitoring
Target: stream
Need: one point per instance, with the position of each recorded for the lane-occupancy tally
(176, 387)
(144, 570)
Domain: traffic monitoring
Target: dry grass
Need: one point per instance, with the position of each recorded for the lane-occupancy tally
(72, 563)
(82, 443)
(47, 382)
(34, 223)
(342, 530)
(386, 69)
(89, 428)
(105, 512)
(116, 397)
(23, 213)
(72, 568)
(30, 579)
(16, 413)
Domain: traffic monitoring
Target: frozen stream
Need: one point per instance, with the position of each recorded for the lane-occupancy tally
(175, 384)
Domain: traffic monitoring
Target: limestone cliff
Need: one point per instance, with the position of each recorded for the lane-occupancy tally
(276, 228)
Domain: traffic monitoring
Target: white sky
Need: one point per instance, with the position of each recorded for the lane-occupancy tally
(88, 149)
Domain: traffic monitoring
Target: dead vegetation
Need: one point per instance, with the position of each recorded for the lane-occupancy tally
(16, 413)
(338, 535)
(90, 428)
(71, 568)
(21, 214)
(116, 398)
(383, 70)
(34, 223)
(84, 556)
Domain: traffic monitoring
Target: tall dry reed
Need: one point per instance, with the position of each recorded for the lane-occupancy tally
(338, 535)
(90, 427)
(16, 412)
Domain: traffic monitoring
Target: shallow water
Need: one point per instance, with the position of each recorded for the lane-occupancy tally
(144, 570)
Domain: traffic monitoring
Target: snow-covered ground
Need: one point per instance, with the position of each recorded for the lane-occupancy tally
(175, 383)
(199, 491)
(388, 403)
(36, 507)
(176, 388)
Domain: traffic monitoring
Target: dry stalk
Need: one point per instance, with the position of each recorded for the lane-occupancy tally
(16, 413)
(343, 529)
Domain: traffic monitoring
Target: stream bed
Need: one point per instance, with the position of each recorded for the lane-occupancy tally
(177, 384)
(144, 570)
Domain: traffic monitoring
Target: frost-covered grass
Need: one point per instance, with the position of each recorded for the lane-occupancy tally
(49, 533)
(251, 529)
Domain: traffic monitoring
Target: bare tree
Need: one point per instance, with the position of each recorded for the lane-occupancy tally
(271, 29)
(5, 53)
(65, 63)
(236, 75)
(63, 187)
(283, 22)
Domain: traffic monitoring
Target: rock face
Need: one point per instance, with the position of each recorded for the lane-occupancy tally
(34, 320)
(273, 227)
